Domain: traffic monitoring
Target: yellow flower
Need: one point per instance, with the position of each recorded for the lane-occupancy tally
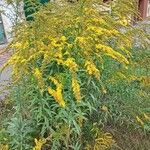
(114, 32)
(81, 41)
(56, 43)
(104, 90)
(38, 76)
(139, 120)
(89, 11)
(57, 94)
(17, 45)
(71, 64)
(146, 116)
(124, 21)
(54, 81)
(59, 54)
(39, 143)
(69, 46)
(37, 73)
(76, 89)
(99, 20)
(4, 147)
(92, 70)
(112, 53)
(63, 38)
(97, 30)
(20, 45)
(104, 108)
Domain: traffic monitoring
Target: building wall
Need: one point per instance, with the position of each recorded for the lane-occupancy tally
(6, 17)
(9, 17)
(7, 27)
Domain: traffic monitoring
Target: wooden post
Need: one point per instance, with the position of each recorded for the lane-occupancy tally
(143, 4)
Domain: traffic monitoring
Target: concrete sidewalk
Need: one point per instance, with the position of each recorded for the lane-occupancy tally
(4, 76)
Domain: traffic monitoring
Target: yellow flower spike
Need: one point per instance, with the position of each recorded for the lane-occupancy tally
(146, 116)
(112, 53)
(71, 64)
(38, 76)
(39, 143)
(123, 22)
(54, 81)
(92, 70)
(139, 120)
(57, 94)
(76, 89)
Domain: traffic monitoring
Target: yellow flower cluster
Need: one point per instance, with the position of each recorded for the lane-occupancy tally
(38, 75)
(103, 141)
(92, 70)
(71, 64)
(19, 45)
(112, 53)
(97, 30)
(39, 143)
(76, 89)
(57, 94)
(141, 121)
(146, 116)
(99, 20)
(56, 44)
(102, 31)
(89, 11)
(123, 21)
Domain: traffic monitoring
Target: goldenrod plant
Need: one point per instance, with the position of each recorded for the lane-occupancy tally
(69, 71)
(74, 37)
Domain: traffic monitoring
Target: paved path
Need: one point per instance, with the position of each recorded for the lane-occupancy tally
(4, 76)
